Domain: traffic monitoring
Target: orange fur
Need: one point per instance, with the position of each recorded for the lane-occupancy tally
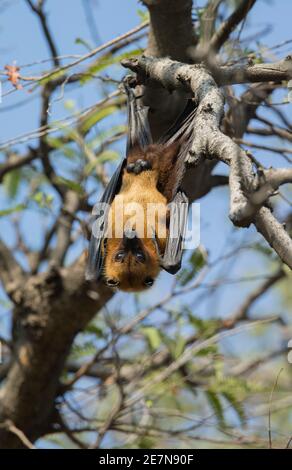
(143, 189)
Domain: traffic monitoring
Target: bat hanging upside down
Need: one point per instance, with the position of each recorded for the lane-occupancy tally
(139, 231)
(133, 261)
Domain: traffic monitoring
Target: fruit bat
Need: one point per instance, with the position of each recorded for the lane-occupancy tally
(130, 258)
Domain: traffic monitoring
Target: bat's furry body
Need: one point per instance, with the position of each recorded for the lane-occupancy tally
(150, 186)
(149, 174)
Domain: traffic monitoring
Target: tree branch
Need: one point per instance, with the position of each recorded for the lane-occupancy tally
(14, 162)
(10, 271)
(274, 72)
(208, 21)
(275, 234)
(171, 29)
(64, 226)
(48, 35)
(242, 311)
(225, 30)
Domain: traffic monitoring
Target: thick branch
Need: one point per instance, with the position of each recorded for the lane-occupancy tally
(275, 234)
(171, 35)
(10, 271)
(171, 31)
(273, 72)
(208, 21)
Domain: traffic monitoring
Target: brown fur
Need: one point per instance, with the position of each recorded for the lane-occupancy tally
(150, 186)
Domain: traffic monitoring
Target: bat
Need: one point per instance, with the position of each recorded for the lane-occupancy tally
(130, 255)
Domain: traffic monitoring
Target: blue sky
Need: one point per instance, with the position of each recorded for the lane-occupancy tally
(21, 41)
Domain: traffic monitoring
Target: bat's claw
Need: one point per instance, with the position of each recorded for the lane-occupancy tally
(139, 166)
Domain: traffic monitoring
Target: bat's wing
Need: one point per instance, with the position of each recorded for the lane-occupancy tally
(181, 130)
(99, 225)
(172, 257)
(139, 133)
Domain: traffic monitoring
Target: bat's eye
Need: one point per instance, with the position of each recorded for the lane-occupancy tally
(148, 281)
(112, 282)
(120, 256)
(140, 256)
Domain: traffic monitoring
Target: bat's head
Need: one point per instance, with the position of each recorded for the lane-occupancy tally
(131, 263)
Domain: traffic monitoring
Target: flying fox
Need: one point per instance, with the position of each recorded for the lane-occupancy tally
(140, 221)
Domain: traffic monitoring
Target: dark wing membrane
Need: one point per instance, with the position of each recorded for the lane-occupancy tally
(172, 257)
(182, 128)
(139, 133)
(99, 225)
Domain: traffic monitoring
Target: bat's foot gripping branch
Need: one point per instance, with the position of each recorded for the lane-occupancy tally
(139, 166)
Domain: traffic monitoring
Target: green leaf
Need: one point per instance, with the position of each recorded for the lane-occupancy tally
(208, 351)
(179, 346)
(144, 15)
(98, 140)
(237, 406)
(205, 328)
(70, 105)
(51, 76)
(83, 43)
(216, 406)
(264, 250)
(97, 116)
(70, 184)
(106, 61)
(153, 336)
(80, 350)
(43, 200)
(59, 145)
(11, 182)
(197, 261)
(145, 442)
(55, 142)
(93, 329)
(107, 156)
(12, 210)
